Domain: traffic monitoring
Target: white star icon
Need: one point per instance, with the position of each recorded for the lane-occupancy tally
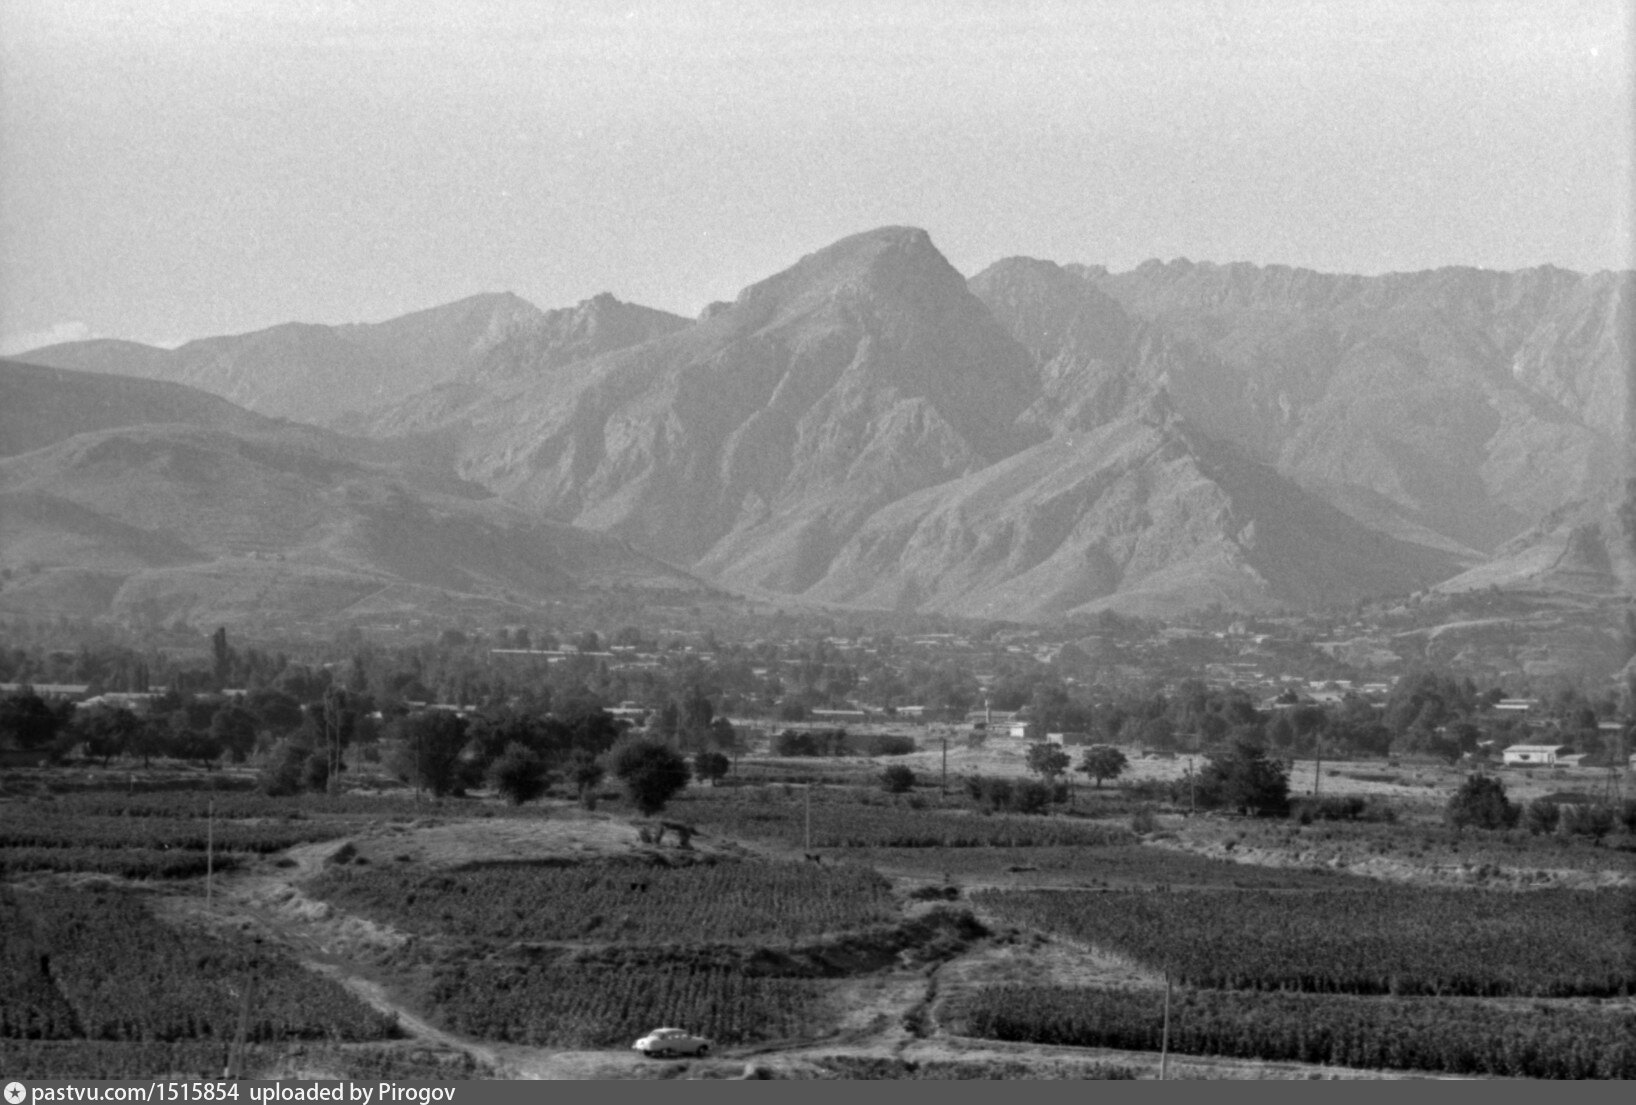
(15, 1093)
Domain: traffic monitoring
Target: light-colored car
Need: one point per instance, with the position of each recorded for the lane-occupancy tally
(672, 1041)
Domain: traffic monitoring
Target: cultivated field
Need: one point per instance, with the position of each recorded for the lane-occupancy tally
(816, 927)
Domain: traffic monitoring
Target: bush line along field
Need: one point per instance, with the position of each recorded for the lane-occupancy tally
(1452, 1035)
(94, 963)
(845, 820)
(617, 901)
(1385, 940)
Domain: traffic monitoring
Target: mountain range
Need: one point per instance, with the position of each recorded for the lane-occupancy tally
(871, 428)
(153, 501)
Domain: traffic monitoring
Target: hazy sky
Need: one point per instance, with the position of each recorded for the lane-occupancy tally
(170, 170)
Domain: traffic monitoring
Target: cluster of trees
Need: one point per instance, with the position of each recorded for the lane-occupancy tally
(837, 742)
(200, 728)
(1481, 803)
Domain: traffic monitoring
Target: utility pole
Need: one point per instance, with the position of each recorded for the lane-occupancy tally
(235, 1057)
(808, 848)
(943, 787)
(1164, 1042)
(210, 857)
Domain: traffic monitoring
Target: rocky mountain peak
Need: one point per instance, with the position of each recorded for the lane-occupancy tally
(887, 272)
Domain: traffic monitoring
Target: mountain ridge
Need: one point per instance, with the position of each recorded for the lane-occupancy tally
(1175, 435)
(229, 517)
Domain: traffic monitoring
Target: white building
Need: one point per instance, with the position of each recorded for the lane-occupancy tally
(1534, 755)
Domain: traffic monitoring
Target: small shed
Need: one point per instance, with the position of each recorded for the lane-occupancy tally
(1534, 755)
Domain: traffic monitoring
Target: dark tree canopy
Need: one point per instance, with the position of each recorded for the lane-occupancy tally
(519, 773)
(897, 779)
(1103, 762)
(711, 765)
(234, 728)
(28, 721)
(1047, 760)
(1480, 803)
(653, 773)
(433, 742)
(1245, 779)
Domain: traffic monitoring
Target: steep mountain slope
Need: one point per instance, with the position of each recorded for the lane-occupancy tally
(755, 442)
(236, 518)
(868, 427)
(1344, 436)
(321, 373)
(1461, 402)
(1140, 515)
(520, 357)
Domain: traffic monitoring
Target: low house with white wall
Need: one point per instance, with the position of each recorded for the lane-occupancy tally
(1534, 755)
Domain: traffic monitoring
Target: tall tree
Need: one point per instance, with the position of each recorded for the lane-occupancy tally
(653, 773)
(1103, 762)
(433, 742)
(1245, 779)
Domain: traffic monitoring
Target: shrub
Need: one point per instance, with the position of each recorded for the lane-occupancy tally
(1542, 817)
(1346, 807)
(315, 772)
(1144, 820)
(1158, 790)
(889, 744)
(519, 774)
(1481, 803)
(1595, 821)
(793, 742)
(292, 766)
(1627, 815)
(586, 771)
(711, 766)
(1031, 796)
(897, 779)
(995, 794)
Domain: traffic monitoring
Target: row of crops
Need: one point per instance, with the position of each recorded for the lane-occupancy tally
(1388, 940)
(615, 901)
(579, 1007)
(22, 828)
(126, 863)
(843, 821)
(165, 834)
(94, 963)
(1456, 1036)
(241, 804)
(1442, 844)
(1116, 865)
(208, 1059)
